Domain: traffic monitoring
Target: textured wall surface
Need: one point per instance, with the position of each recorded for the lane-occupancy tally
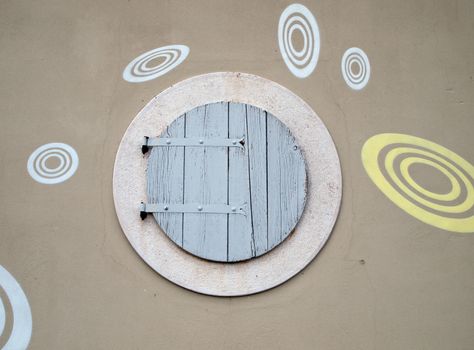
(384, 280)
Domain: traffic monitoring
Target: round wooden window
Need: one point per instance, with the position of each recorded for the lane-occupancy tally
(226, 181)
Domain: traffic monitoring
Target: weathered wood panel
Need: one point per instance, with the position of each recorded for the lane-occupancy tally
(302, 184)
(267, 176)
(205, 182)
(257, 157)
(286, 179)
(241, 245)
(274, 164)
(289, 161)
(165, 181)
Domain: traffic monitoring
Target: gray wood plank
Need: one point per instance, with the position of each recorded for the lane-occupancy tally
(274, 140)
(287, 181)
(165, 181)
(206, 182)
(257, 154)
(241, 246)
(289, 161)
(302, 184)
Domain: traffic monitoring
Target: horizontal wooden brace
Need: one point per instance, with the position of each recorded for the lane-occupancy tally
(190, 141)
(192, 208)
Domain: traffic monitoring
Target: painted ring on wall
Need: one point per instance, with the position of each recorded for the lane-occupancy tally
(300, 28)
(308, 39)
(2, 317)
(43, 167)
(387, 159)
(68, 163)
(297, 17)
(355, 56)
(139, 70)
(270, 269)
(21, 313)
(455, 186)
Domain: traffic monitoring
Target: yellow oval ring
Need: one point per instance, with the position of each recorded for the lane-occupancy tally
(370, 152)
(460, 208)
(450, 196)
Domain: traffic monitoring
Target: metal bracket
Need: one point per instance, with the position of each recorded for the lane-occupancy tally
(146, 208)
(190, 141)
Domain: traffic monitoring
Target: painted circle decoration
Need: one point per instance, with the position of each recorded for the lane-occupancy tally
(297, 18)
(66, 157)
(387, 158)
(20, 335)
(355, 68)
(324, 186)
(140, 69)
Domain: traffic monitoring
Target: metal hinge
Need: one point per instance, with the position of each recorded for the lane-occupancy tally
(190, 141)
(146, 208)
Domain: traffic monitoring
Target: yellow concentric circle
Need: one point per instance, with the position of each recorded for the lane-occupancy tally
(379, 157)
(455, 186)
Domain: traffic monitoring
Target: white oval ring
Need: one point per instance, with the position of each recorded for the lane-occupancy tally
(355, 78)
(288, 44)
(137, 70)
(360, 74)
(22, 321)
(355, 82)
(307, 19)
(35, 160)
(142, 67)
(295, 52)
(46, 172)
(46, 169)
(2, 318)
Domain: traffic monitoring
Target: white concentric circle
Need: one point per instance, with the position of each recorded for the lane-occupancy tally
(39, 170)
(355, 57)
(297, 17)
(139, 70)
(301, 52)
(62, 162)
(22, 322)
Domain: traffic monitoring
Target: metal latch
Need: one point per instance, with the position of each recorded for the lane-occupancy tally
(190, 141)
(146, 208)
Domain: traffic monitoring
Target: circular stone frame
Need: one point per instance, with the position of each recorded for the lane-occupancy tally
(281, 263)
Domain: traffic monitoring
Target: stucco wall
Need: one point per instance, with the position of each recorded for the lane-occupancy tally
(384, 280)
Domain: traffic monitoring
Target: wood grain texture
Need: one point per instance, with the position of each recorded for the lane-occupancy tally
(205, 182)
(256, 121)
(274, 183)
(241, 245)
(165, 180)
(267, 176)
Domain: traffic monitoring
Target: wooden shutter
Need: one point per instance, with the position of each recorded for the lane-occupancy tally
(226, 181)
